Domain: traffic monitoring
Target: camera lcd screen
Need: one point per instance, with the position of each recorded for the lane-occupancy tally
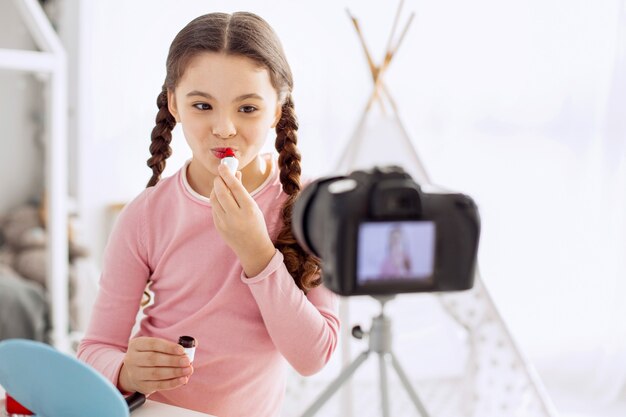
(395, 251)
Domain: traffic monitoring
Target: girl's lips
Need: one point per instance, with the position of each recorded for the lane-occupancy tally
(222, 152)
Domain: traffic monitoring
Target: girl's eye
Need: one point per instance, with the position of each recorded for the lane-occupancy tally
(247, 109)
(202, 106)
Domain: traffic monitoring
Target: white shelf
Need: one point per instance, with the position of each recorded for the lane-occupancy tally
(27, 60)
(52, 62)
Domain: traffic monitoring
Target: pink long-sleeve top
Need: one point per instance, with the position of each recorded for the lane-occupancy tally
(247, 328)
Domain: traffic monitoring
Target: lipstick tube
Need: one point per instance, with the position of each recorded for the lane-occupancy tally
(189, 343)
(230, 161)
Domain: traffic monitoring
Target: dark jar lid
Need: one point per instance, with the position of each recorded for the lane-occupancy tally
(187, 341)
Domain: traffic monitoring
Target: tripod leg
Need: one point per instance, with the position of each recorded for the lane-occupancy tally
(336, 384)
(407, 386)
(384, 392)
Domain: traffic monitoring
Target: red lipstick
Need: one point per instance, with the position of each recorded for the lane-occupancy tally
(223, 152)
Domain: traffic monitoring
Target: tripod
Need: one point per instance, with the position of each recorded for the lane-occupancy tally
(380, 343)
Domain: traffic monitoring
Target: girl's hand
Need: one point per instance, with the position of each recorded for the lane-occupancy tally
(153, 364)
(240, 221)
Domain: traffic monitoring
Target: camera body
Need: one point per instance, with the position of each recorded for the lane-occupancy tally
(377, 232)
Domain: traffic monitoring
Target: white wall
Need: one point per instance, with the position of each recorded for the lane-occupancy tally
(506, 101)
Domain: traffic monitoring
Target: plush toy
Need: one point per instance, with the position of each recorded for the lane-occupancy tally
(13, 225)
(18, 221)
(23, 243)
(23, 308)
(23, 271)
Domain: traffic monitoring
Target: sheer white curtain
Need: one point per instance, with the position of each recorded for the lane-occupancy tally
(608, 160)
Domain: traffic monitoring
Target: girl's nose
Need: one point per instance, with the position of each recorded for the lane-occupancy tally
(224, 128)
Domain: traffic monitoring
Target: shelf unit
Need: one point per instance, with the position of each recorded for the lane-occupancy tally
(51, 64)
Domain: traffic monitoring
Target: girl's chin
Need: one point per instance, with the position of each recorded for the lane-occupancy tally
(206, 165)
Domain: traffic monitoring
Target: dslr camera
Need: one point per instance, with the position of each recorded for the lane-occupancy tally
(376, 232)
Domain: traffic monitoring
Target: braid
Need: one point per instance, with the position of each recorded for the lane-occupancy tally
(304, 268)
(161, 138)
(160, 150)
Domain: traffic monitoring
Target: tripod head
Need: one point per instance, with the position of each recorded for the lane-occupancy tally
(383, 299)
(380, 330)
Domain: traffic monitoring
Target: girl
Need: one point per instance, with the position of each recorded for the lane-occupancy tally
(397, 263)
(216, 248)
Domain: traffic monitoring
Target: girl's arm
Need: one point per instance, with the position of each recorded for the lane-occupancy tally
(146, 364)
(304, 328)
(122, 282)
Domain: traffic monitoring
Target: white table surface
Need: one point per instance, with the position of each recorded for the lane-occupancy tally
(156, 409)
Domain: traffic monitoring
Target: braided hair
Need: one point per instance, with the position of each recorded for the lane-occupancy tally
(242, 34)
(297, 260)
(160, 148)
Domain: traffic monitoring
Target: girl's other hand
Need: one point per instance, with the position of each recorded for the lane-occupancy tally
(240, 221)
(153, 364)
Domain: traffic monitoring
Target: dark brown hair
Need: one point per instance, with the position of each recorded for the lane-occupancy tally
(242, 34)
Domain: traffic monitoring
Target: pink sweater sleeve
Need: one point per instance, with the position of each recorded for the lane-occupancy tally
(304, 328)
(122, 282)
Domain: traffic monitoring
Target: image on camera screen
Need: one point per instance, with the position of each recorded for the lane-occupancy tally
(396, 250)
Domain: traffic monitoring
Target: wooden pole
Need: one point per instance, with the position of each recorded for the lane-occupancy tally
(374, 69)
(388, 57)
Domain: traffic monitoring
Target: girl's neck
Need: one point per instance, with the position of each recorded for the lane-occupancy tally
(253, 175)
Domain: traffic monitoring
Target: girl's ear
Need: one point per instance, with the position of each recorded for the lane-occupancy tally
(171, 105)
(279, 113)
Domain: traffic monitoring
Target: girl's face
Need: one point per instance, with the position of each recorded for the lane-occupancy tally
(395, 241)
(225, 101)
